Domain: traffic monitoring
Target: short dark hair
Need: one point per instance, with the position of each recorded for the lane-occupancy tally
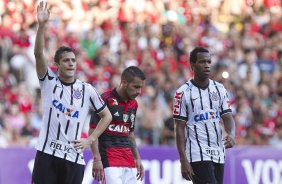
(129, 73)
(60, 51)
(194, 52)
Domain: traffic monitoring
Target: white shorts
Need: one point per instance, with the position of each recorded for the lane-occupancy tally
(120, 175)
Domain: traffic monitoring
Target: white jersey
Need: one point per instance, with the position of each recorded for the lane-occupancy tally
(66, 107)
(202, 108)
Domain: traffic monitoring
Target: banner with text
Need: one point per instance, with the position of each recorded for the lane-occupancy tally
(245, 165)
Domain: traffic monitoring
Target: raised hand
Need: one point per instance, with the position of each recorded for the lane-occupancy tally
(43, 13)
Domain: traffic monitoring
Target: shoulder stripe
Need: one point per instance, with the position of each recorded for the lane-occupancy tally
(210, 98)
(83, 93)
(217, 92)
(192, 103)
(201, 98)
(71, 102)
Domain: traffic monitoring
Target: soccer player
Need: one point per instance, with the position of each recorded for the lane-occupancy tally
(67, 103)
(115, 150)
(199, 104)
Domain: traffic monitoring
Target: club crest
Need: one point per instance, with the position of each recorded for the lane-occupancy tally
(77, 93)
(113, 101)
(214, 96)
(125, 117)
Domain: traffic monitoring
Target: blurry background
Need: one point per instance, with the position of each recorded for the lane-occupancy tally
(244, 37)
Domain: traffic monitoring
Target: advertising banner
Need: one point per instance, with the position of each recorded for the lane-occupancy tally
(248, 165)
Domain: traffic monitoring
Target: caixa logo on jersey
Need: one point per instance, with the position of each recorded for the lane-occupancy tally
(69, 112)
(206, 116)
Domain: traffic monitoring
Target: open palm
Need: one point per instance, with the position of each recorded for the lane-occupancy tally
(42, 13)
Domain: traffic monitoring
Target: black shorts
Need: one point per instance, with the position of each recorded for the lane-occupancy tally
(49, 169)
(207, 172)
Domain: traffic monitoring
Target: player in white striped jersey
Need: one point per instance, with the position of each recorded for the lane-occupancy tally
(199, 104)
(67, 104)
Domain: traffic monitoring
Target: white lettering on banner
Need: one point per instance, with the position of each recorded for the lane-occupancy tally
(269, 171)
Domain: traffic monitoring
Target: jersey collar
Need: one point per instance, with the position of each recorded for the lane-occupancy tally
(203, 88)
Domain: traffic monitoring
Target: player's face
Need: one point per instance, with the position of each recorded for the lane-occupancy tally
(133, 88)
(67, 66)
(202, 67)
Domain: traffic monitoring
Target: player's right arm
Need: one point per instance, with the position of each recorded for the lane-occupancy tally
(97, 168)
(180, 116)
(42, 18)
(186, 169)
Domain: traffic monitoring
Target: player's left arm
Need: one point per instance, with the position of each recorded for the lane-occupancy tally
(229, 126)
(229, 123)
(138, 162)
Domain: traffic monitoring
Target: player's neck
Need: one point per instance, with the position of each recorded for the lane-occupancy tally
(121, 93)
(67, 80)
(201, 82)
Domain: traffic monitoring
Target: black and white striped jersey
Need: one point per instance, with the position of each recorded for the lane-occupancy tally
(202, 108)
(66, 108)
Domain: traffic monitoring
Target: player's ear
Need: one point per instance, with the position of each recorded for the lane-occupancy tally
(192, 66)
(123, 83)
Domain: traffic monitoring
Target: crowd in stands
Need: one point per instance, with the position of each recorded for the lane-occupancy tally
(244, 37)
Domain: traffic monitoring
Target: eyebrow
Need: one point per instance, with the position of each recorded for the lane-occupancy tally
(208, 59)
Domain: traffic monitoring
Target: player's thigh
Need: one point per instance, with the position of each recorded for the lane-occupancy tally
(113, 175)
(44, 171)
(204, 172)
(73, 173)
(219, 172)
(130, 176)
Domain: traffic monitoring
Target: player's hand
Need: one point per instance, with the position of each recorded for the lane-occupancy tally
(186, 170)
(229, 141)
(97, 170)
(140, 170)
(82, 144)
(43, 13)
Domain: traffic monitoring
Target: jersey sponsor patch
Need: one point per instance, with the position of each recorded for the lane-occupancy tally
(206, 116)
(213, 151)
(61, 146)
(67, 111)
(177, 101)
(119, 128)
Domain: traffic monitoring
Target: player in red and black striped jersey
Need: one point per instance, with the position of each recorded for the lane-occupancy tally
(116, 150)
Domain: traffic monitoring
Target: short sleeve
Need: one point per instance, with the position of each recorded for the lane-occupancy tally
(225, 105)
(96, 102)
(180, 106)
